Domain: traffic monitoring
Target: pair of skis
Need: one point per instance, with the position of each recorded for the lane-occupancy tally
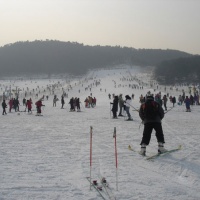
(102, 188)
(158, 154)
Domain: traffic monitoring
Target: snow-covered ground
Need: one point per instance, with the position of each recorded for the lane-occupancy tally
(48, 157)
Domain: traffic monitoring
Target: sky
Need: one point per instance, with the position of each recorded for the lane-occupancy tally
(154, 24)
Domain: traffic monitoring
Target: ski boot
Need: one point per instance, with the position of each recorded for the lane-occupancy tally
(161, 148)
(143, 150)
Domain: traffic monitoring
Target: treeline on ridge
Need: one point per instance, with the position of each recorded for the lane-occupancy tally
(51, 57)
(181, 70)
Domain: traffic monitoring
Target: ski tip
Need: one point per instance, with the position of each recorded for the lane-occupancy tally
(129, 147)
(180, 146)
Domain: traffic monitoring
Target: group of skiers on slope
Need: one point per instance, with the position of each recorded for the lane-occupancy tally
(55, 99)
(123, 104)
(158, 98)
(181, 99)
(75, 104)
(151, 114)
(90, 102)
(14, 104)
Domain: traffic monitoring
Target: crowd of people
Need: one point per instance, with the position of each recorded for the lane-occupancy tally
(14, 104)
(151, 113)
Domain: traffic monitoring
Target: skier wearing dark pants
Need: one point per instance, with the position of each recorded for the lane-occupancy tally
(4, 106)
(148, 128)
(151, 114)
(115, 107)
(62, 101)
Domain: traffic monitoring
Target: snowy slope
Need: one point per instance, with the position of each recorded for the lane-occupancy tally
(48, 157)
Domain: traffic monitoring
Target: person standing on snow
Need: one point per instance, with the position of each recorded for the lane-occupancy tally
(4, 106)
(187, 104)
(10, 104)
(78, 105)
(151, 114)
(121, 105)
(115, 107)
(29, 105)
(62, 101)
(54, 101)
(165, 101)
(71, 102)
(38, 106)
(127, 104)
(173, 100)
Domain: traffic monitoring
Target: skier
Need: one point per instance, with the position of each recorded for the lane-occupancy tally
(187, 104)
(94, 101)
(78, 105)
(54, 100)
(173, 100)
(4, 106)
(121, 105)
(29, 106)
(127, 104)
(10, 104)
(151, 114)
(38, 106)
(62, 101)
(86, 102)
(24, 101)
(115, 107)
(90, 101)
(15, 104)
(71, 102)
(180, 100)
(165, 101)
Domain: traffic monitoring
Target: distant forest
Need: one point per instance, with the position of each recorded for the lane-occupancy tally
(182, 70)
(54, 57)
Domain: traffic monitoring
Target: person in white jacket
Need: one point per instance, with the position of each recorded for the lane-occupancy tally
(127, 104)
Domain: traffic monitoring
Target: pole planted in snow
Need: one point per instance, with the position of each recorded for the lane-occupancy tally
(116, 162)
(90, 156)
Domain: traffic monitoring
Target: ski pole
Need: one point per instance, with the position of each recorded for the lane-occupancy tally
(90, 156)
(116, 163)
(82, 106)
(110, 111)
(141, 124)
(133, 107)
(169, 109)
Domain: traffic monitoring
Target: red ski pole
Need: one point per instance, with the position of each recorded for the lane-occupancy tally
(116, 162)
(90, 155)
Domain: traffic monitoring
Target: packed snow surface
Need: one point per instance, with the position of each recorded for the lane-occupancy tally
(48, 157)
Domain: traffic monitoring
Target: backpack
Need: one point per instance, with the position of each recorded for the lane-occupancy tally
(150, 109)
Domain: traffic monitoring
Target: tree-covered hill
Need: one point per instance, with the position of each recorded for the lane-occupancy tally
(180, 70)
(51, 56)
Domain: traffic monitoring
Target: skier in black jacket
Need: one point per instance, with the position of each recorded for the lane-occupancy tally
(4, 106)
(115, 107)
(151, 114)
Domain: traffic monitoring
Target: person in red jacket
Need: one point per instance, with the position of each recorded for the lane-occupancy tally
(10, 104)
(29, 105)
(38, 106)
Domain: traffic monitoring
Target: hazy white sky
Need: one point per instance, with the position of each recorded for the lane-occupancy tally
(163, 24)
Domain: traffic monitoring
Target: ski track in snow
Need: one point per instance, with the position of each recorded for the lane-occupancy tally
(47, 157)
